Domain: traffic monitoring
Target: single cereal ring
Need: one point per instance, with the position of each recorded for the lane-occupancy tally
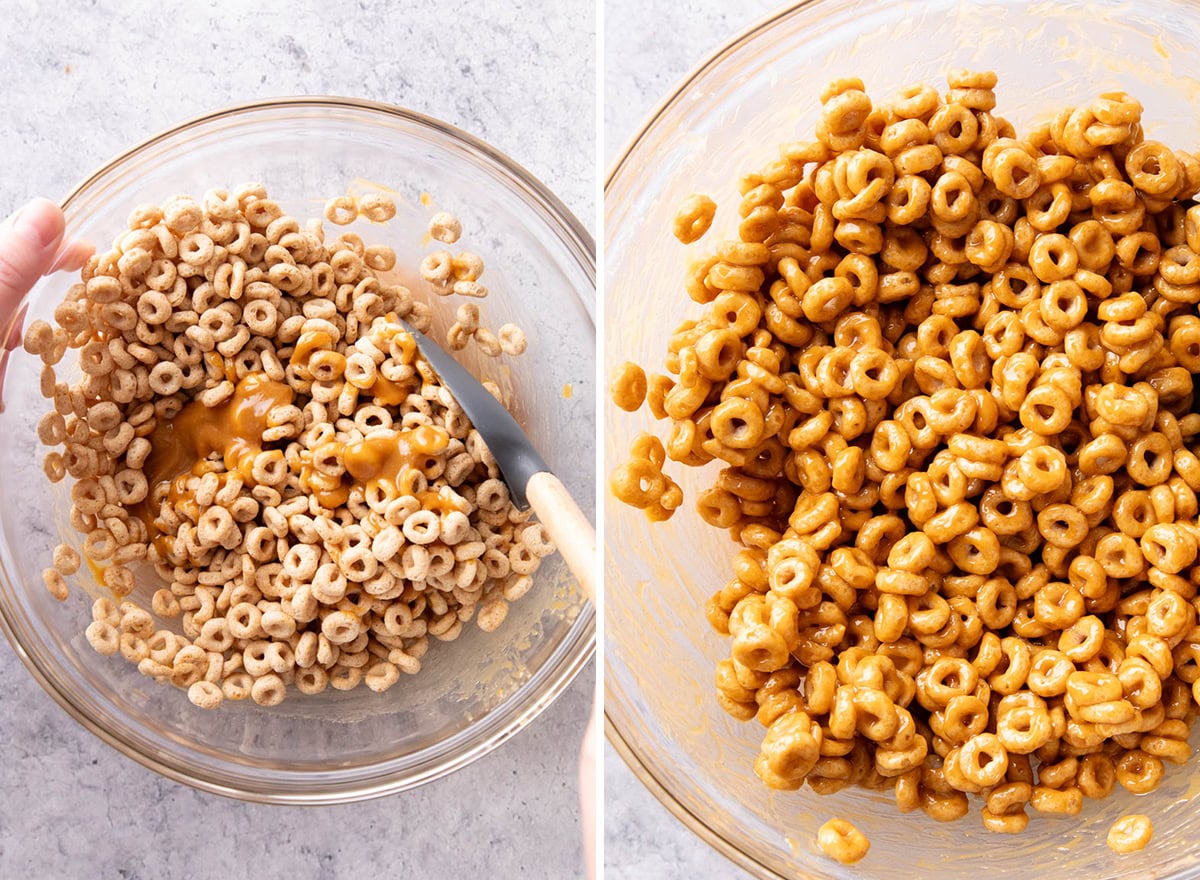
(1129, 833)
(444, 227)
(840, 840)
(376, 207)
(694, 218)
(341, 210)
(205, 695)
(512, 339)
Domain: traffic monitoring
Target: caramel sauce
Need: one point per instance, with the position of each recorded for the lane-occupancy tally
(234, 429)
(441, 501)
(221, 365)
(408, 344)
(385, 390)
(180, 447)
(384, 454)
(164, 544)
(310, 341)
(388, 392)
(97, 570)
(329, 491)
(385, 459)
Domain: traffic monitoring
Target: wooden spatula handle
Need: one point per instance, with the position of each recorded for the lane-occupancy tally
(567, 526)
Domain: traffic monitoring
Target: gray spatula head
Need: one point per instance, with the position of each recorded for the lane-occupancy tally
(514, 454)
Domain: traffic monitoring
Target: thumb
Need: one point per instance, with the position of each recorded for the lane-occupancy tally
(28, 244)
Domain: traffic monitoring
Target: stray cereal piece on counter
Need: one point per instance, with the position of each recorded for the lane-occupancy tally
(444, 227)
(840, 840)
(1130, 833)
(376, 207)
(694, 218)
(341, 210)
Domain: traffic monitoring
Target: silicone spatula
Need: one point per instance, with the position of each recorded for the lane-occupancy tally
(530, 481)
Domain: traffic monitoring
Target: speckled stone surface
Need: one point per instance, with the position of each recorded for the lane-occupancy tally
(85, 80)
(648, 49)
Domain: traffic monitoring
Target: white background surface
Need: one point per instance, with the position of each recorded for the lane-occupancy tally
(648, 49)
(84, 81)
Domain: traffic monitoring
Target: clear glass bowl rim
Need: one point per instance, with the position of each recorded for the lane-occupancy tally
(510, 717)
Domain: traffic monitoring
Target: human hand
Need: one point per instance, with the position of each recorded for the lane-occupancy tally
(31, 245)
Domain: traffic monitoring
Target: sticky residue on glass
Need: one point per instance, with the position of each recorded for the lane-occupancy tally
(359, 184)
(97, 589)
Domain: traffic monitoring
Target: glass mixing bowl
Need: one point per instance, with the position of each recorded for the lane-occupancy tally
(726, 119)
(471, 694)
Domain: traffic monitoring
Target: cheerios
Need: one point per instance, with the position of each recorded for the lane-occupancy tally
(942, 380)
(255, 429)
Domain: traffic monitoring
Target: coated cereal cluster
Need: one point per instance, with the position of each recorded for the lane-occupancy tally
(947, 372)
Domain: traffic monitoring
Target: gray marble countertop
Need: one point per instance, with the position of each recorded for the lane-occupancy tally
(85, 80)
(648, 49)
